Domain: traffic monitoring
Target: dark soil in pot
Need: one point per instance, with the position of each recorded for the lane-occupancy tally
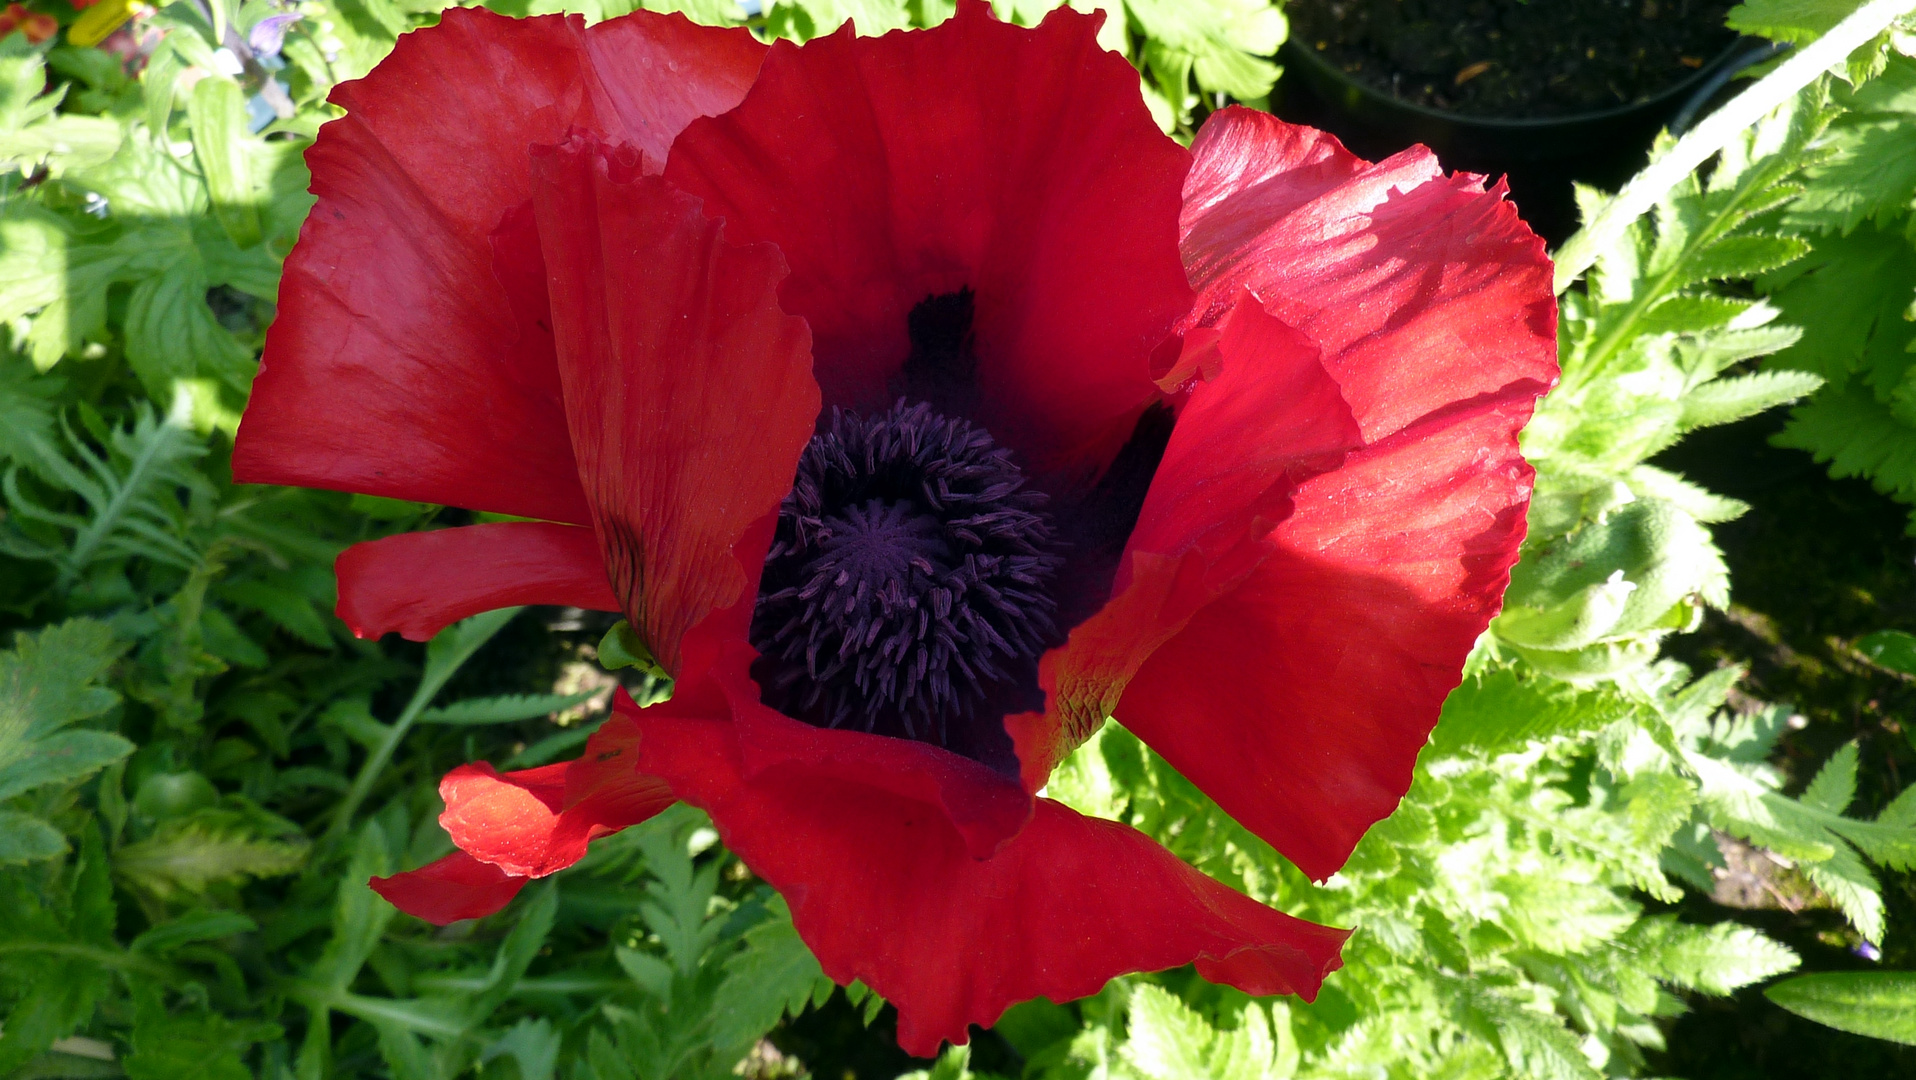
(1515, 59)
(1545, 92)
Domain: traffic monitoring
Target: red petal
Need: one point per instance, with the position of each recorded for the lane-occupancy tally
(689, 392)
(395, 365)
(1300, 699)
(1018, 162)
(453, 888)
(883, 889)
(1423, 289)
(984, 807)
(419, 583)
(537, 821)
(1269, 418)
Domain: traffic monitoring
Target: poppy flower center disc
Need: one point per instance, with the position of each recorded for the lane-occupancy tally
(909, 588)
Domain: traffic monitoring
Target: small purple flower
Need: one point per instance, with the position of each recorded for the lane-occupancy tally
(269, 34)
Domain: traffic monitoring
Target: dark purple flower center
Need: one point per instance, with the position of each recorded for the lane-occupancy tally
(909, 589)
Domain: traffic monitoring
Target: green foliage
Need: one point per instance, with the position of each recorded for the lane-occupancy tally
(200, 770)
(49, 682)
(1855, 291)
(1881, 1004)
(1618, 555)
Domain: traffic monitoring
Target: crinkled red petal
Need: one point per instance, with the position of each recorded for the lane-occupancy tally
(419, 583)
(688, 390)
(984, 807)
(1422, 289)
(1017, 162)
(884, 889)
(1300, 699)
(535, 822)
(449, 889)
(1268, 418)
(396, 364)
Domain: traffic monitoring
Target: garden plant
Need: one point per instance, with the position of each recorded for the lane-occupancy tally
(445, 450)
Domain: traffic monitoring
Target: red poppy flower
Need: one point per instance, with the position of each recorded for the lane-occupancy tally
(37, 26)
(920, 405)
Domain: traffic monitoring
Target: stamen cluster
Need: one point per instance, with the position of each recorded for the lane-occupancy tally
(910, 580)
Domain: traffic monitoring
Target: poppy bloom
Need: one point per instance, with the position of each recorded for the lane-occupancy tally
(920, 405)
(37, 26)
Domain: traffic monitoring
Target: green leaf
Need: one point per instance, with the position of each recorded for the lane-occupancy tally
(534, 1045)
(504, 708)
(188, 854)
(623, 648)
(1872, 176)
(1741, 257)
(1834, 787)
(25, 838)
(192, 927)
(1715, 959)
(775, 975)
(1893, 649)
(1856, 435)
(204, 1046)
(1170, 1041)
(62, 759)
(47, 682)
(216, 112)
(1848, 294)
(1503, 710)
(1726, 400)
(1880, 1004)
(293, 612)
(1533, 1044)
(1789, 20)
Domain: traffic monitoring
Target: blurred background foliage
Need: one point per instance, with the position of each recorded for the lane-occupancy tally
(1645, 797)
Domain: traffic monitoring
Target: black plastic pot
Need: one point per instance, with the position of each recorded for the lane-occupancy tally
(1541, 157)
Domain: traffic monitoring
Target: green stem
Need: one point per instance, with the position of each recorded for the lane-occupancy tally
(1716, 131)
(440, 667)
(111, 958)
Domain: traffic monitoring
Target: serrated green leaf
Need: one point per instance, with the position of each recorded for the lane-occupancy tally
(1689, 313)
(1872, 176)
(62, 759)
(775, 975)
(1649, 482)
(293, 612)
(1880, 1004)
(188, 854)
(1502, 710)
(1741, 257)
(1167, 1040)
(1857, 436)
(1834, 786)
(1848, 295)
(1533, 1044)
(1715, 959)
(1724, 401)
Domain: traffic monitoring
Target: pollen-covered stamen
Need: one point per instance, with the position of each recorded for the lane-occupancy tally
(910, 582)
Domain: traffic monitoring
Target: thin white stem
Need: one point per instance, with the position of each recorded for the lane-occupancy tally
(1717, 129)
